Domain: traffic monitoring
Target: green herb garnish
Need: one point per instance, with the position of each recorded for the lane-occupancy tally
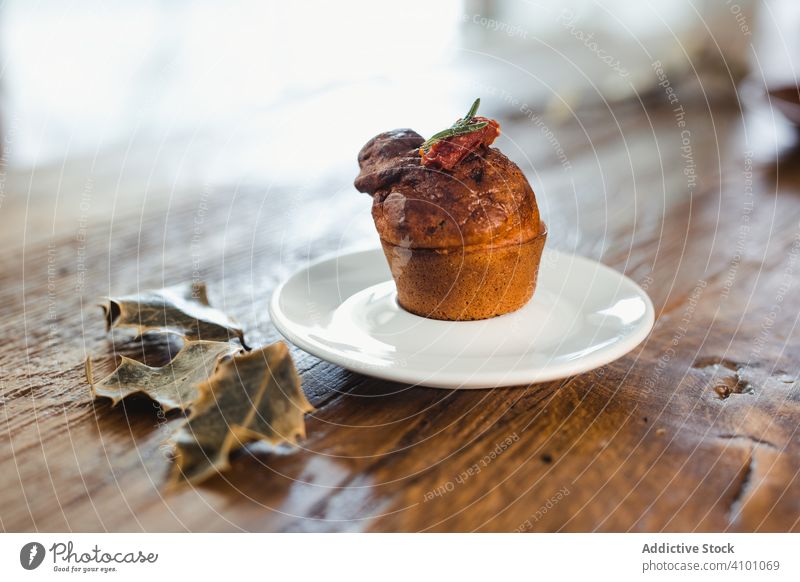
(460, 127)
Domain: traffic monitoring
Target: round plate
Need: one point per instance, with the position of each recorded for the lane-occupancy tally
(344, 309)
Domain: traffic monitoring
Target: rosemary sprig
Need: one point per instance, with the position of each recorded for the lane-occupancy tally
(471, 113)
(452, 131)
(460, 127)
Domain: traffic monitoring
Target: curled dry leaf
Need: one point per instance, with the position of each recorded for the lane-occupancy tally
(251, 397)
(183, 309)
(173, 385)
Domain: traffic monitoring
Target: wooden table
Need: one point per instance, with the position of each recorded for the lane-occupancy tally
(695, 430)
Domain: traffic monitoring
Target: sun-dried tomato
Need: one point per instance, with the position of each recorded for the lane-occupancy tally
(448, 152)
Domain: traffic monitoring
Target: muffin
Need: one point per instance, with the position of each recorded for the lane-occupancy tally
(457, 219)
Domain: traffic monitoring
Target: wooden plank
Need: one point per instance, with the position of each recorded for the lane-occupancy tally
(694, 430)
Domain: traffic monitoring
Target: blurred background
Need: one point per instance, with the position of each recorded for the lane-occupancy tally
(137, 102)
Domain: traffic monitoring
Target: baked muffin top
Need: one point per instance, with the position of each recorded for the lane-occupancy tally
(484, 199)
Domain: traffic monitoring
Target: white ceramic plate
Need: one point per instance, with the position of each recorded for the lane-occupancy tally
(344, 309)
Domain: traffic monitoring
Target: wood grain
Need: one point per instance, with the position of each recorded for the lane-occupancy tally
(697, 429)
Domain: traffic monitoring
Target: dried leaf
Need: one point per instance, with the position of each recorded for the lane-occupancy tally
(173, 385)
(251, 397)
(183, 309)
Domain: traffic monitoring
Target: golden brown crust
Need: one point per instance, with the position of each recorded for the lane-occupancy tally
(465, 284)
(484, 200)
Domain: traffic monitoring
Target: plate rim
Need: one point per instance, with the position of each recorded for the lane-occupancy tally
(447, 380)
